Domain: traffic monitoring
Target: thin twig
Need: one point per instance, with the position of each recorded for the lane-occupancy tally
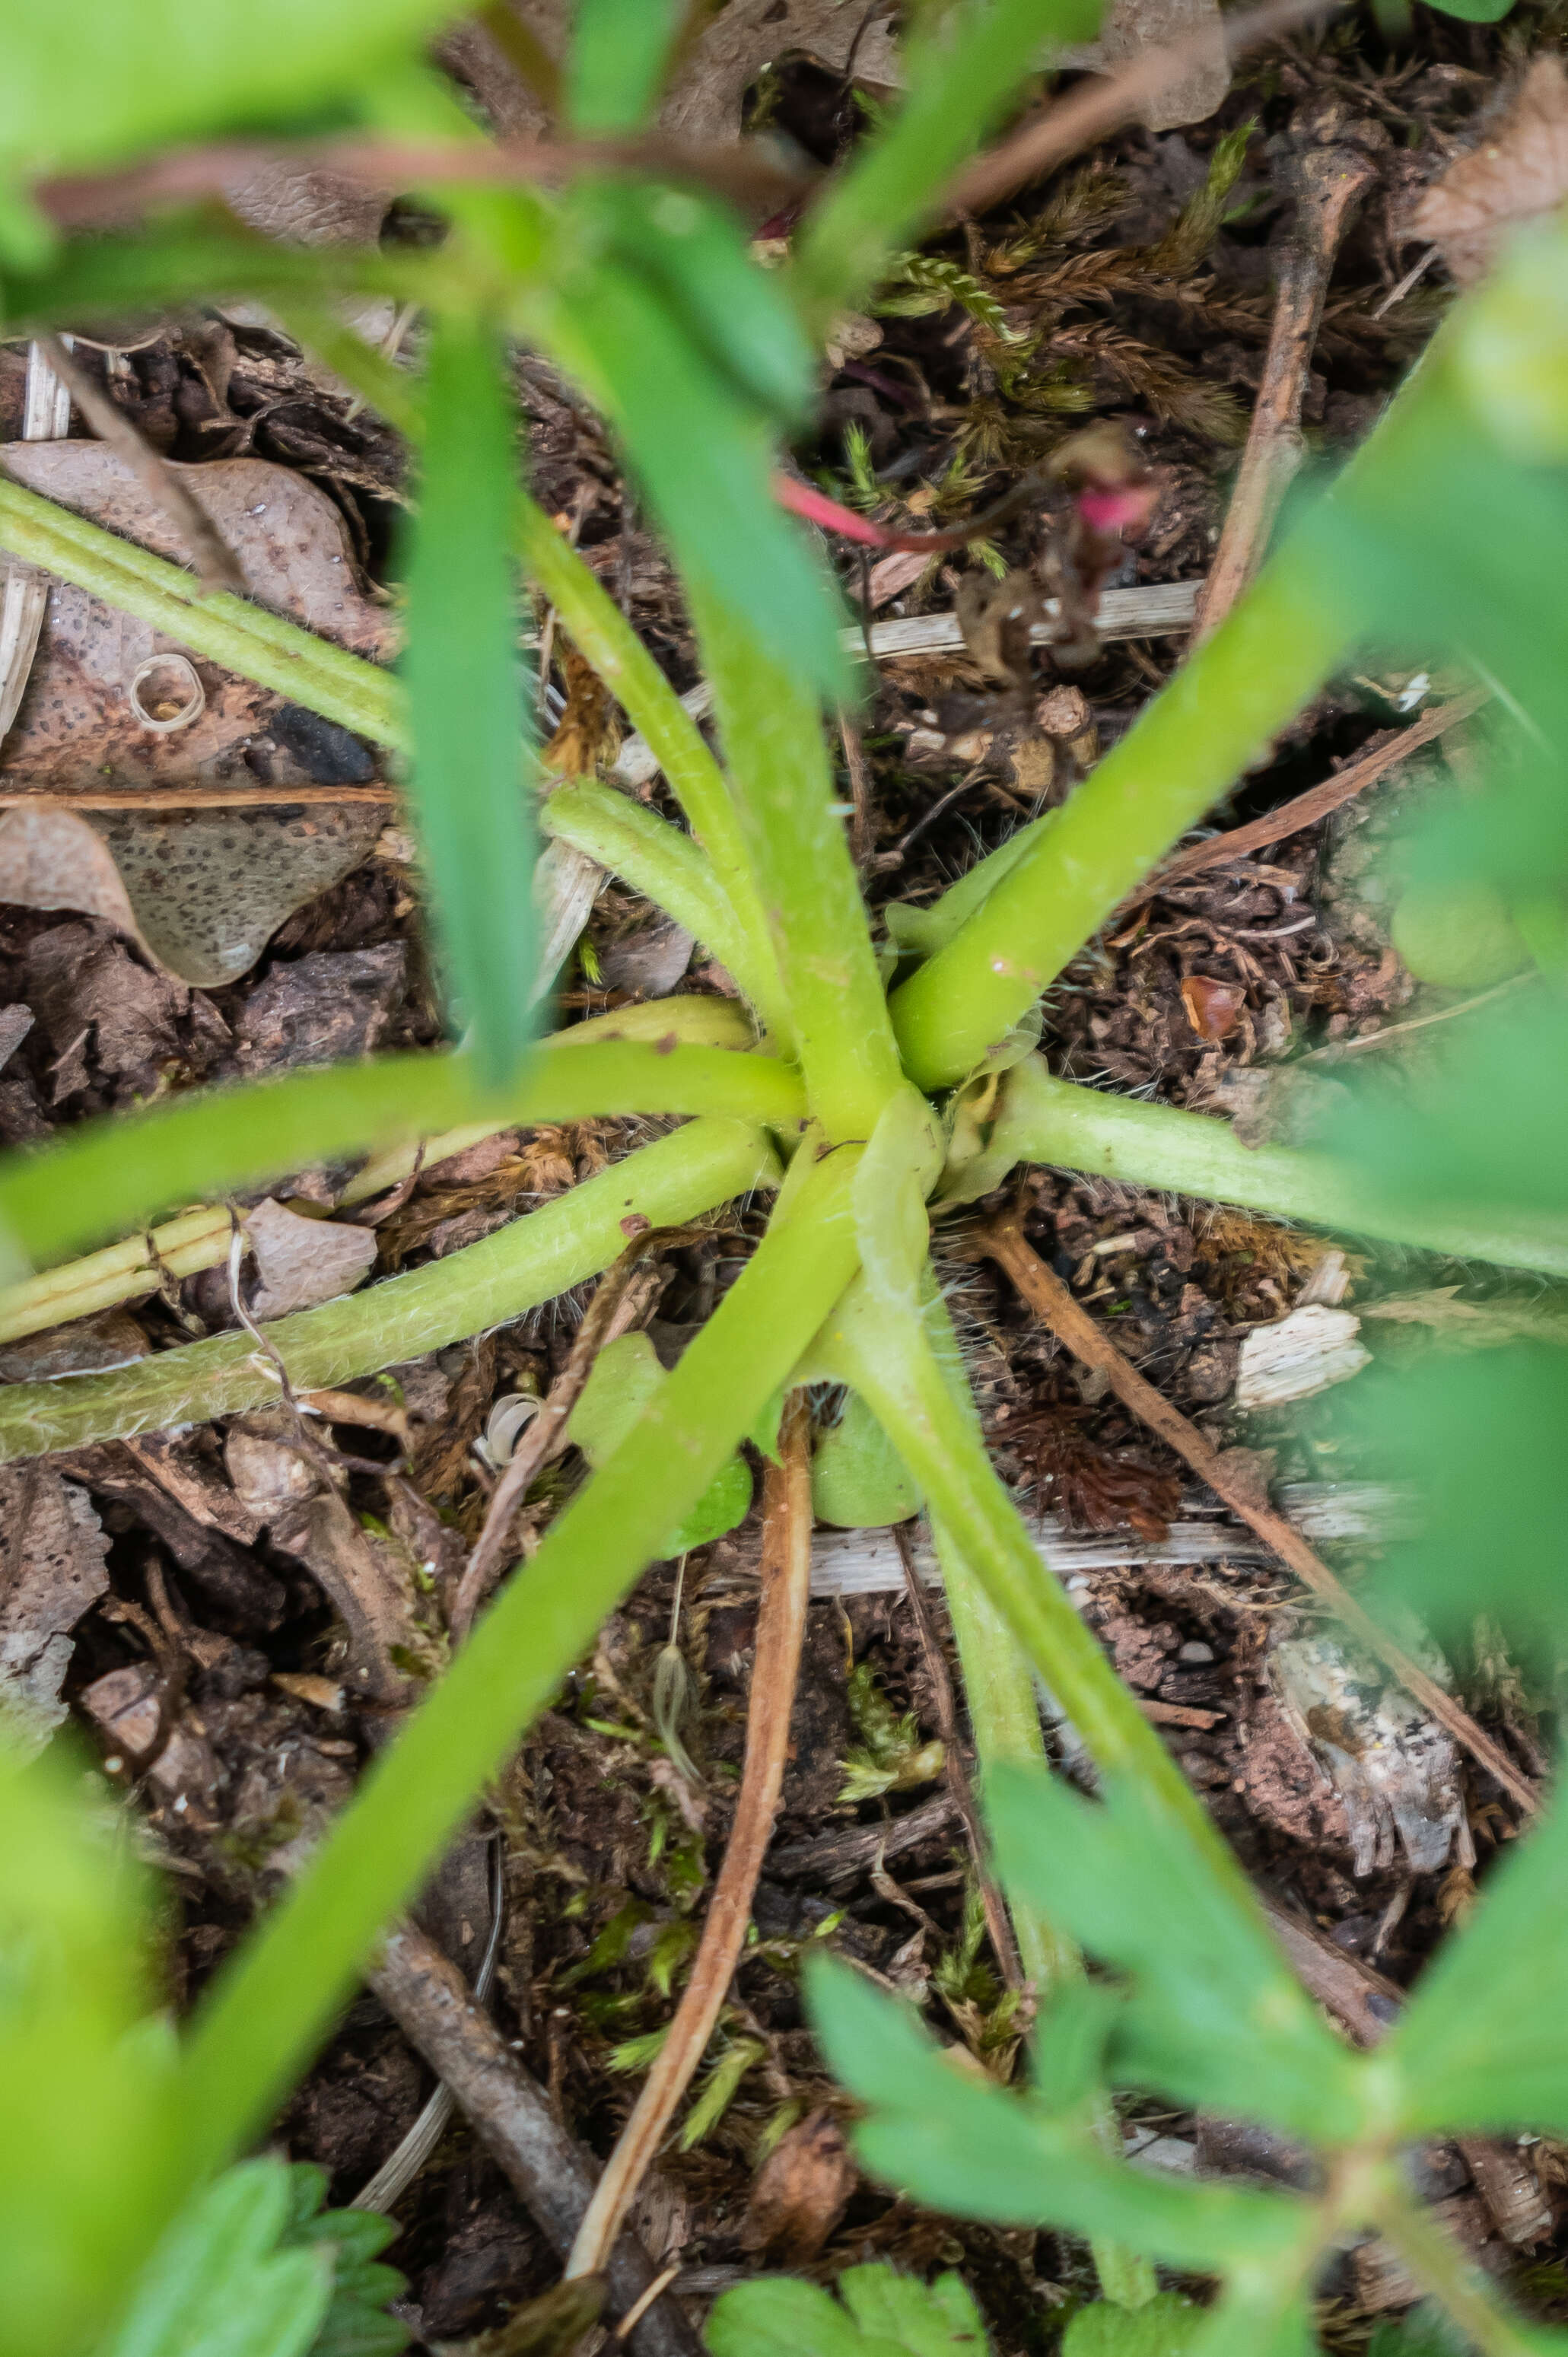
(184, 798)
(616, 1306)
(861, 839)
(997, 1920)
(781, 1627)
(217, 566)
(1306, 810)
(1092, 110)
(742, 168)
(1329, 184)
(1002, 1240)
(509, 2113)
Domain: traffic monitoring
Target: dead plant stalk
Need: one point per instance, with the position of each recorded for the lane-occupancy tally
(1330, 183)
(1002, 1240)
(781, 1627)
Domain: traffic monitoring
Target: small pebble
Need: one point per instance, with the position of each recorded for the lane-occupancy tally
(1195, 1650)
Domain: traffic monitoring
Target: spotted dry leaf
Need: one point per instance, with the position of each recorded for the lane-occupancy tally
(1519, 171)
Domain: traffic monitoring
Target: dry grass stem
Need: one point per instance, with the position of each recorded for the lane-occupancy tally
(1094, 110)
(1002, 1240)
(1330, 182)
(217, 566)
(622, 1299)
(509, 2113)
(781, 1627)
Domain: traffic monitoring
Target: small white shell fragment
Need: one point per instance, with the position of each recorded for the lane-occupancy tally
(1303, 1353)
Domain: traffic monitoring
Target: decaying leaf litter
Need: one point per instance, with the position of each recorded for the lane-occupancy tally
(239, 1613)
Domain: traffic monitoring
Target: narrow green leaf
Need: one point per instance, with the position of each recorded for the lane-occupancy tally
(465, 693)
(1215, 2015)
(620, 50)
(941, 2131)
(85, 83)
(89, 2158)
(704, 454)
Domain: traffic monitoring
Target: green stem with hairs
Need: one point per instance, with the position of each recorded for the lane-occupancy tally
(776, 759)
(673, 872)
(243, 637)
(604, 638)
(888, 1356)
(269, 2010)
(534, 1258)
(125, 1168)
(1184, 749)
(1071, 1127)
(1005, 1713)
(719, 905)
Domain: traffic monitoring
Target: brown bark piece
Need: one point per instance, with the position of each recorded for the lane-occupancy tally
(1518, 172)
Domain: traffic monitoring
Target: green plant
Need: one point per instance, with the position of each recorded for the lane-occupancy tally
(860, 1105)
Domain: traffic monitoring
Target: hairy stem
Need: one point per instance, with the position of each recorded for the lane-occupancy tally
(673, 872)
(109, 1174)
(1077, 1128)
(674, 1179)
(268, 2012)
(887, 1355)
(230, 630)
(1179, 756)
(777, 759)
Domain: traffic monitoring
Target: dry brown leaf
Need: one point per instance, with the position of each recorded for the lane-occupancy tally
(1135, 25)
(1213, 1008)
(49, 858)
(801, 2191)
(1518, 172)
(301, 1260)
(75, 717)
(200, 892)
(52, 1551)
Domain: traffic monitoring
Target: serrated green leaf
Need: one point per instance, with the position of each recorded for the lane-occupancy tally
(781, 2317)
(469, 789)
(1484, 2044)
(885, 2314)
(218, 2286)
(704, 456)
(1164, 2326)
(86, 83)
(1475, 1440)
(1214, 2016)
(858, 1479)
(939, 2319)
(952, 2138)
(618, 58)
